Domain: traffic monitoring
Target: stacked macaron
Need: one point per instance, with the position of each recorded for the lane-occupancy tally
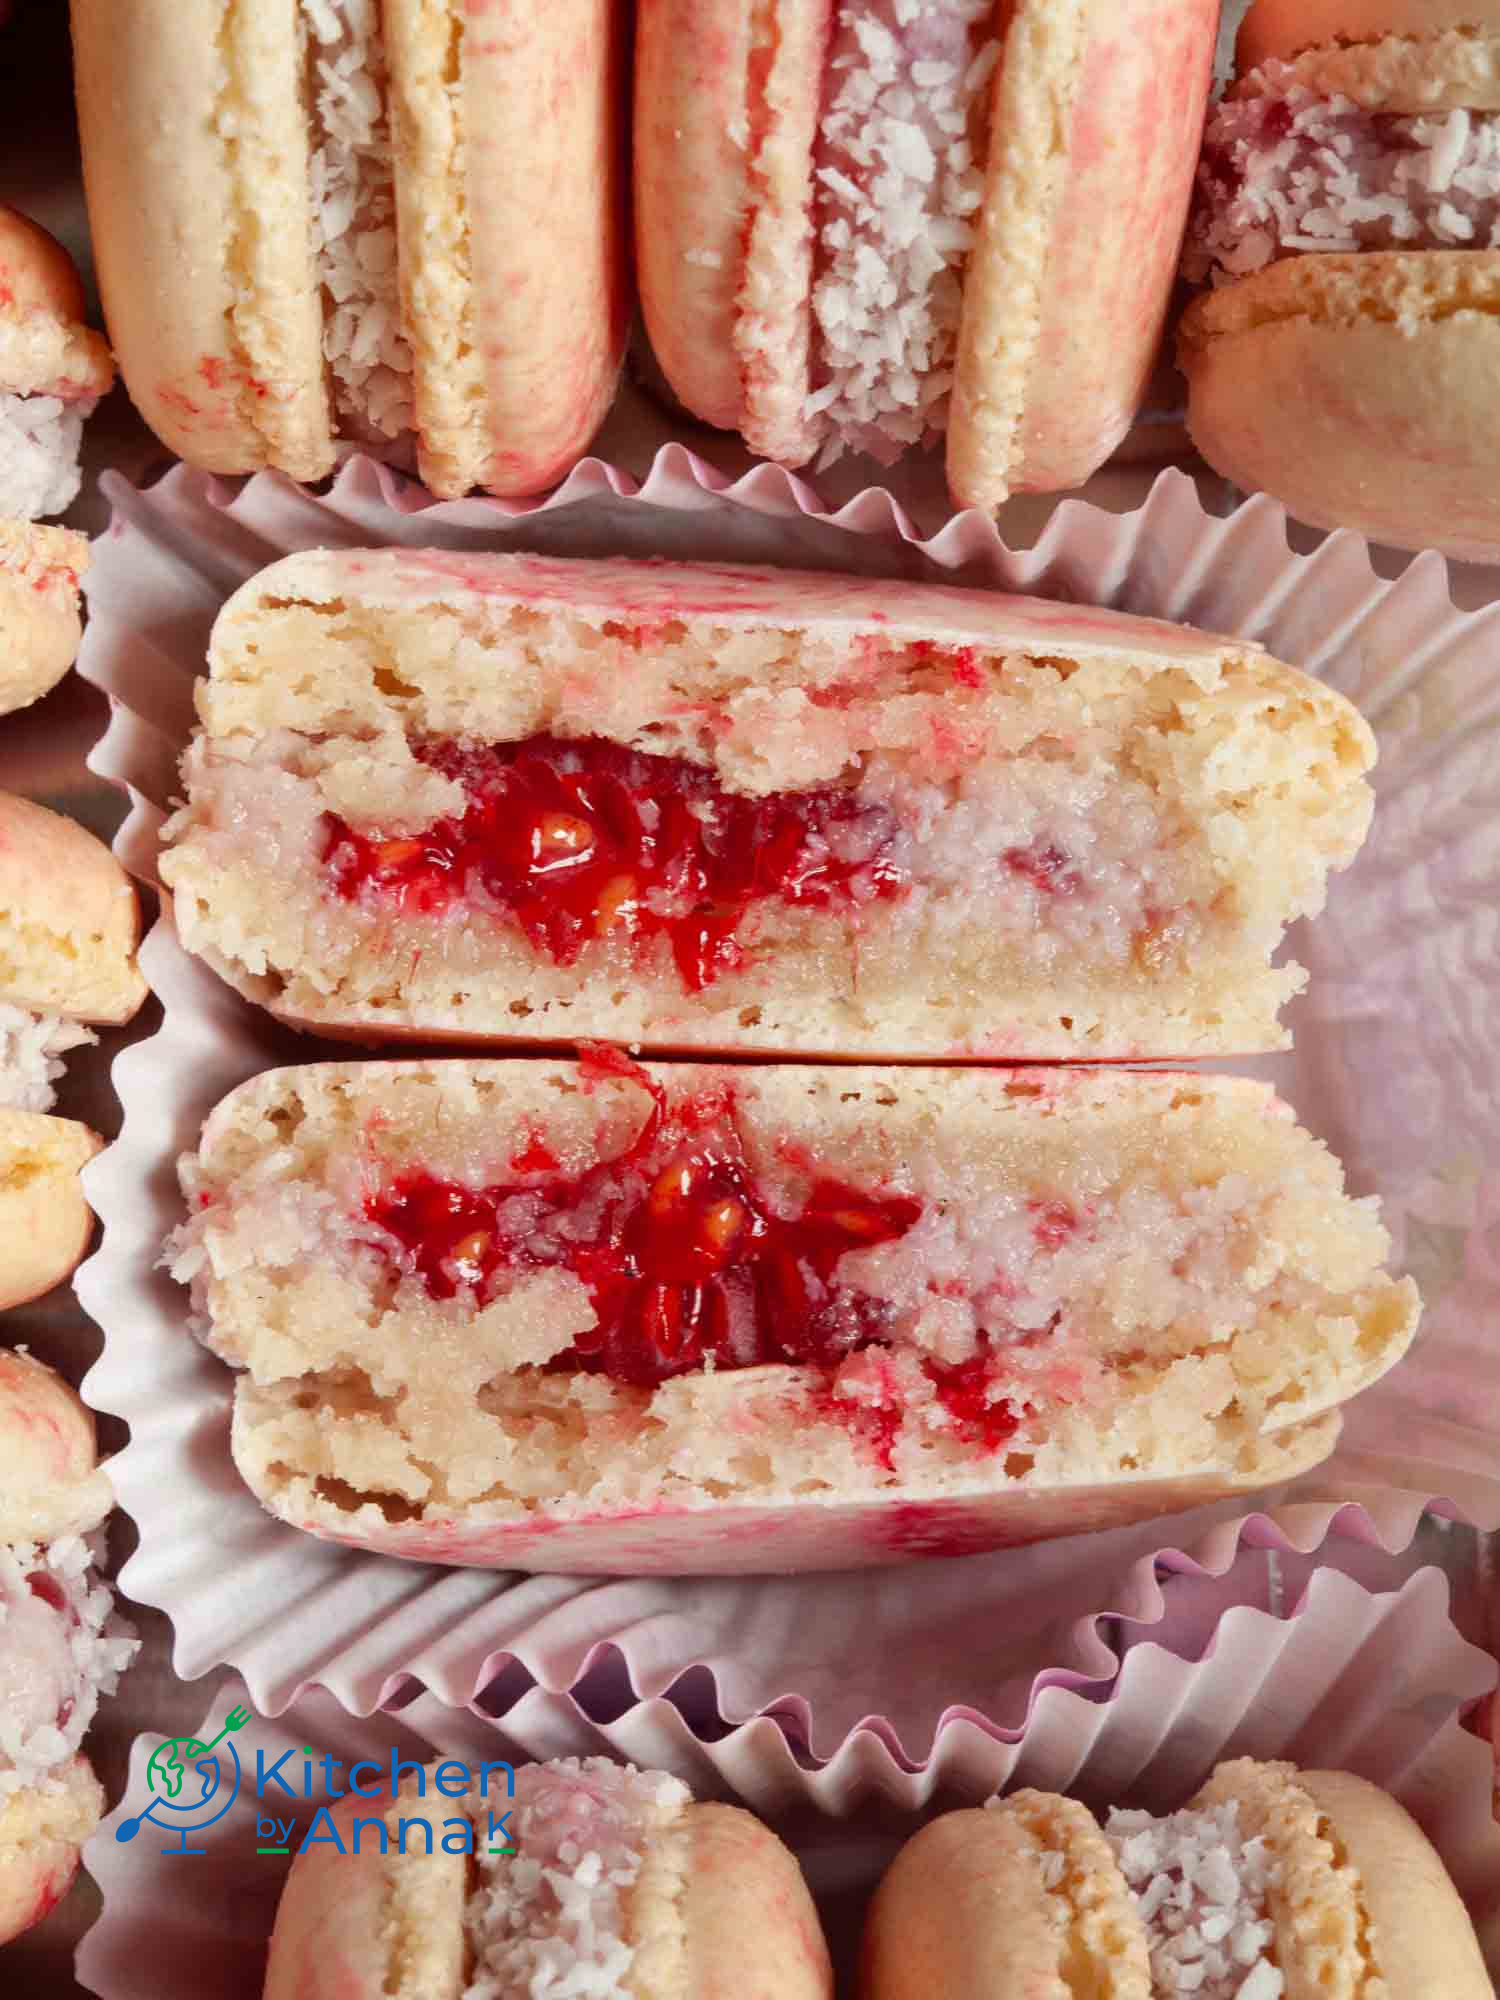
(871, 224)
(1348, 228)
(53, 370)
(327, 223)
(610, 1881)
(62, 1645)
(1271, 1882)
(495, 1311)
(69, 920)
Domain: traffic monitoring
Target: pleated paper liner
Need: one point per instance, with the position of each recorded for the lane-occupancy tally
(1372, 1683)
(1396, 1065)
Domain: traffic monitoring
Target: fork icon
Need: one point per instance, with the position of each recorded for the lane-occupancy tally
(236, 1719)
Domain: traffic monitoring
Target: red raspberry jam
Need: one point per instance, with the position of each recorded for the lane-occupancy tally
(43, 1584)
(575, 840)
(684, 1260)
(961, 1390)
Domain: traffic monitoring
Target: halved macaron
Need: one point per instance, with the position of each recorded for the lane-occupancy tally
(595, 1316)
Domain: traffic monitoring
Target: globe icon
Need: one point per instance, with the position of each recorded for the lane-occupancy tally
(189, 1781)
(183, 1773)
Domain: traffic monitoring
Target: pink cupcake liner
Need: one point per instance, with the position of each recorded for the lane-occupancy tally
(1368, 1682)
(1396, 1065)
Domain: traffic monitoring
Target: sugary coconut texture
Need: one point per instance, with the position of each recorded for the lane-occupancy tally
(1106, 1292)
(392, 225)
(1094, 829)
(619, 1884)
(864, 222)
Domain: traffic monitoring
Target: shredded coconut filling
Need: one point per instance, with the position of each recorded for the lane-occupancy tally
(354, 220)
(549, 1922)
(32, 1047)
(1201, 1889)
(898, 182)
(1055, 858)
(62, 1646)
(1288, 174)
(40, 438)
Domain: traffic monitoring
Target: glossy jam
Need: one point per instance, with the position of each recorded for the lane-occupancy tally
(580, 840)
(683, 1263)
(44, 1585)
(686, 1262)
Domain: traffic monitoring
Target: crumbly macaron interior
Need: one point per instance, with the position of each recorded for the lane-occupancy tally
(1112, 1288)
(1066, 857)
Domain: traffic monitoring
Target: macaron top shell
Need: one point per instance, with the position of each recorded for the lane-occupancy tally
(1285, 28)
(36, 273)
(1094, 137)
(69, 918)
(1017, 1900)
(50, 1484)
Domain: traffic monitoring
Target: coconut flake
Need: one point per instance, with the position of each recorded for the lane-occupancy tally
(62, 1646)
(1201, 1889)
(1295, 173)
(897, 183)
(549, 1921)
(32, 1047)
(354, 220)
(40, 438)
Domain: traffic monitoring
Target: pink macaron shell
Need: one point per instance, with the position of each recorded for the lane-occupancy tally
(660, 592)
(787, 1539)
(326, 1945)
(1137, 125)
(551, 290)
(691, 140)
(1284, 28)
(48, 1484)
(34, 1878)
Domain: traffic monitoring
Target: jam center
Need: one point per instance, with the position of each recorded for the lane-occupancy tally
(581, 840)
(684, 1261)
(687, 1263)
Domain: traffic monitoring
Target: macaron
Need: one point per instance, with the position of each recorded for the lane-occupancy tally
(1347, 227)
(340, 224)
(873, 225)
(1271, 1882)
(53, 370)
